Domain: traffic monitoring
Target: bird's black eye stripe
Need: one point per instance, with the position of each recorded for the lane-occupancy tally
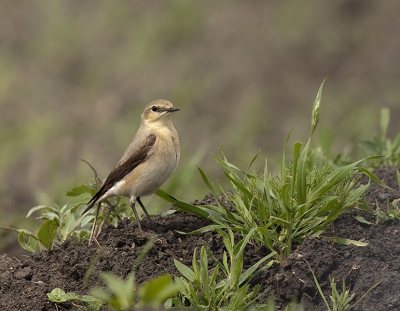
(154, 108)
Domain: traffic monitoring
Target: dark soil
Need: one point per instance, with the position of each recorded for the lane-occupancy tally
(24, 284)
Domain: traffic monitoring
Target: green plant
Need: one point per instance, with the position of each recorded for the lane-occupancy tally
(392, 211)
(124, 294)
(382, 145)
(270, 306)
(120, 294)
(304, 198)
(225, 287)
(60, 223)
(90, 303)
(398, 178)
(340, 301)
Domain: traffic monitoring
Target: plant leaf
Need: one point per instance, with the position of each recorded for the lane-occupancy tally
(74, 192)
(398, 178)
(68, 224)
(344, 241)
(32, 245)
(75, 202)
(373, 177)
(315, 111)
(57, 295)
(184, 270)
(42, 207)
(156, 291)
(363, 220)
(47, 233)
(384, 122)
(186, 207)
(123, 290)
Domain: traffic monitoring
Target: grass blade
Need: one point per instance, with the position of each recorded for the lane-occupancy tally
(315, 110)
(344, 241)
(318, 286)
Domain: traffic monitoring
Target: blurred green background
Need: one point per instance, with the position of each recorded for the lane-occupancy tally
(75, 76)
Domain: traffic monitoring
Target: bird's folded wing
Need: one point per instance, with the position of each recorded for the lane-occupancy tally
(124, 168)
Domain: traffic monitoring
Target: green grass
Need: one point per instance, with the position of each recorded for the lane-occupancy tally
(272, 209)
(339, 301)
(383, 145)
(225, 287)
(286, 209)
(307, 195)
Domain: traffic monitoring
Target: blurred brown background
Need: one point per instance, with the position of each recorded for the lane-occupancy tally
(75, 76)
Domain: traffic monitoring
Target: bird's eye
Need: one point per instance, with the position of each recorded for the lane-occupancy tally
(154, 108)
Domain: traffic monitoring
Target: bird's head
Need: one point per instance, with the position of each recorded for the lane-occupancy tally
(159, 110)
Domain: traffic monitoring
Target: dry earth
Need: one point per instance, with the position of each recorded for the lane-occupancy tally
(24, 284)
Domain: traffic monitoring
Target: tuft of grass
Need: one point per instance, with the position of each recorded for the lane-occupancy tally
(392, 211)
(270, 306)
(340, 301)
(226, 287)
(382, 145)
(303, 198)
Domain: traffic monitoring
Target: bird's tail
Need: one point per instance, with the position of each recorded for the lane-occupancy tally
(91, 203)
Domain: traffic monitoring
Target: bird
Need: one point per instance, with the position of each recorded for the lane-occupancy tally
(147, 163)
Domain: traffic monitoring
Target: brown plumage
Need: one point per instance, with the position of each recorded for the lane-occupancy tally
(122, 169)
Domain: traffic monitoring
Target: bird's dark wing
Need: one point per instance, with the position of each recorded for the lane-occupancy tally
(123, 169)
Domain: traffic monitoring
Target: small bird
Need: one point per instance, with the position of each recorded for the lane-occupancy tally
(146, 164)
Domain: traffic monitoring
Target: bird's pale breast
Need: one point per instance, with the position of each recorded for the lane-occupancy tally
(153, 173)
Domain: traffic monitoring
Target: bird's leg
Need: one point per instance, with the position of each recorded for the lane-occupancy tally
(110, 207)
(145, 211)
(94, 225)
(132, 202)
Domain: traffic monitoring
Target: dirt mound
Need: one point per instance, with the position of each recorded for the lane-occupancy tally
(24, 284)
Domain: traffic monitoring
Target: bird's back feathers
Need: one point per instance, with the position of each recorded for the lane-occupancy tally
(123, 168)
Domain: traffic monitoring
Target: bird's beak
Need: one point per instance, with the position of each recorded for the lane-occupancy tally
(173, 109)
